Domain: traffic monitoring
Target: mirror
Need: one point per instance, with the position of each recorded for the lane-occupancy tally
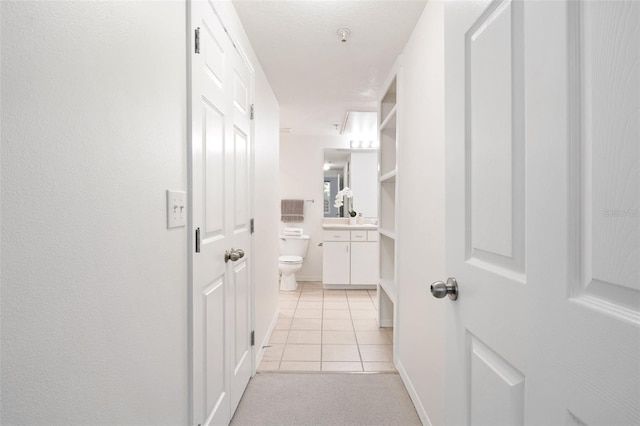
(356, 169)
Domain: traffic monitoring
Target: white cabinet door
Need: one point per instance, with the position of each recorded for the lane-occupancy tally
(542, 212)
(364, 263)
(335, 262)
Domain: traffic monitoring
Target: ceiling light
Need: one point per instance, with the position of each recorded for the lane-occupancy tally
(344, 34)
(327, 166)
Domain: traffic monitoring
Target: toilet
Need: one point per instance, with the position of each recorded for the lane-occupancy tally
(293, 249)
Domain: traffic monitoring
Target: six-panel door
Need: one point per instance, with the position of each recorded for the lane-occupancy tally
(543, 235)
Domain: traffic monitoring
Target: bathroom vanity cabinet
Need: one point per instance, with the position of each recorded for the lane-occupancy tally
(350, 257)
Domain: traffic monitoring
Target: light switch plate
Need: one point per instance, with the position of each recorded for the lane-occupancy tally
(176, 209)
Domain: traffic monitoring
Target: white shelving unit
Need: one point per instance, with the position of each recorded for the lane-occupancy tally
(387, 165)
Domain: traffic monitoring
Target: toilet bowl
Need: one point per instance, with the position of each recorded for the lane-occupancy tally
(293, 249)
(288, 266)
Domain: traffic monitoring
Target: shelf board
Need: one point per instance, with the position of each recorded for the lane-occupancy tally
(389, 121)
(388, 177)
(387, 233)
(389, 287)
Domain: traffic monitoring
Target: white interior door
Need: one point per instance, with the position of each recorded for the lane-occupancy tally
(239, 199)
(220, 174)
(543, 191)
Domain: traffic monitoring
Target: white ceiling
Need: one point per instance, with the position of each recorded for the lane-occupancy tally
(315, 76)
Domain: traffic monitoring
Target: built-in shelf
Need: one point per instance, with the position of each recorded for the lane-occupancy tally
(389, 288)
(387, 149)
(388, 102)
(389, 177)
(388, 205)
(387, 233)
(389, 122)
(387, 166)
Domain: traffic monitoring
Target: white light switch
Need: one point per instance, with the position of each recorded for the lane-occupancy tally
(176, 209)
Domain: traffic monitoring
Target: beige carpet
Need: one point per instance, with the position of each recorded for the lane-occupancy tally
(325, 399)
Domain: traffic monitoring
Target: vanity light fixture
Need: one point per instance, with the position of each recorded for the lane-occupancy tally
(363, 144)
(344, 34)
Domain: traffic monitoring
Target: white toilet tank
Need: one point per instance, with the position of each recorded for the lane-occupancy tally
(294, 245)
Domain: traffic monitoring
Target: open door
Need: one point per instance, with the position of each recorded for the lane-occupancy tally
(543, 192)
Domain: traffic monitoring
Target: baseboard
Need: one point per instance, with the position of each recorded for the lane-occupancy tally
(308, 278)
(422, 413)
(260, 350)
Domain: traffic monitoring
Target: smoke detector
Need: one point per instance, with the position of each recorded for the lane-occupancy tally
(344, 34)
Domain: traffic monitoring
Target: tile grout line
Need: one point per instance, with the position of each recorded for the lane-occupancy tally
(356, 337)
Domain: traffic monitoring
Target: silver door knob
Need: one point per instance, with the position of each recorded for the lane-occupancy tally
(232, 255)
(240, 253)
(440, 289)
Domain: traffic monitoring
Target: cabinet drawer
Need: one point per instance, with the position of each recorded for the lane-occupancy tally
(358, 235)
(372, 236)
(335, 235)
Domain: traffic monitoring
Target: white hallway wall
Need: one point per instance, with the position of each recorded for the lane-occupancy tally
(421, 215)
(302, 177)
(94, 289)
(94, 295)
(266, 210)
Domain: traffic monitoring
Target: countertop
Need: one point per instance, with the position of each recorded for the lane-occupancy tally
(346, 226)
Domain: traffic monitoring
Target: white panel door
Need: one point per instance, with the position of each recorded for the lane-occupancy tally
(239, 192)
(543, 191)
(220, 179)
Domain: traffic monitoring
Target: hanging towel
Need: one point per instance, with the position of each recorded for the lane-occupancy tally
(293, 232)
(292, 210)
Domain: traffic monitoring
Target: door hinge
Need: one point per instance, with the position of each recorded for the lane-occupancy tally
(253, 338)
(197, 42)
(252, 225)
(253, 112)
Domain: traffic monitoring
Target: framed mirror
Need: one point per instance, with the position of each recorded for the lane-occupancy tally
(356, 169)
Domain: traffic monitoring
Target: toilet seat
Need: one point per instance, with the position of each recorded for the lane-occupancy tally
(290, 259)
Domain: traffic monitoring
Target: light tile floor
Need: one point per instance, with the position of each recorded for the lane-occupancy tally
(328, 330)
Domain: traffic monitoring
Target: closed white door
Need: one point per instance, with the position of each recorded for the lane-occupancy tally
(239, 198)
(543, 191)
(220, 174)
